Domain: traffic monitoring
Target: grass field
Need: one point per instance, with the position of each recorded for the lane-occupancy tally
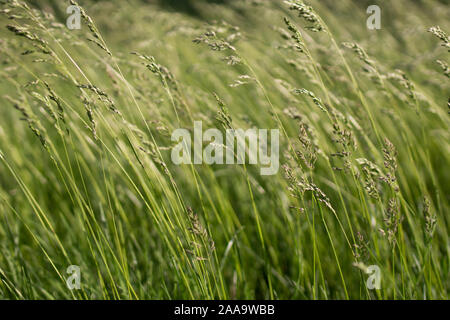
(86, 176)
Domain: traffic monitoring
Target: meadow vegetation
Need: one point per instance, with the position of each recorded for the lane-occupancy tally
(86, 176)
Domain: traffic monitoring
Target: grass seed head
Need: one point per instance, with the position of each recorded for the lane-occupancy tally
(307, 13)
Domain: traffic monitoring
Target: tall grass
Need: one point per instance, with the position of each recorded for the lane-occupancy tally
(86, 176)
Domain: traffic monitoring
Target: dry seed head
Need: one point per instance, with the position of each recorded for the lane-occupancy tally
(100, 45)
(307, 13)
(438, 32)
(223, 115)
(389, 155)
(220, 36)
(90, 115)
(102, 96)
(33, 123)
(204, 244)
(166, 77)
(371, 174)
(390, 163)
(444, 67)
(40, 44)
(47, 106)
(404, 81)
(52, 96)
(344, 138)
(232, 60)
(296, 36)
(92, 28)
(309, 147)
(362, 55)
(430, 219)
(23, 32)
(298, 187)
(315, 99)
(361, 247)
(392, 220)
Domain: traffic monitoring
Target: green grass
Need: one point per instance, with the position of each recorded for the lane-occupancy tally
(86, 176)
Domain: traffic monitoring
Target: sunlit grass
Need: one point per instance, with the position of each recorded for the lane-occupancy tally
(86, 176)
